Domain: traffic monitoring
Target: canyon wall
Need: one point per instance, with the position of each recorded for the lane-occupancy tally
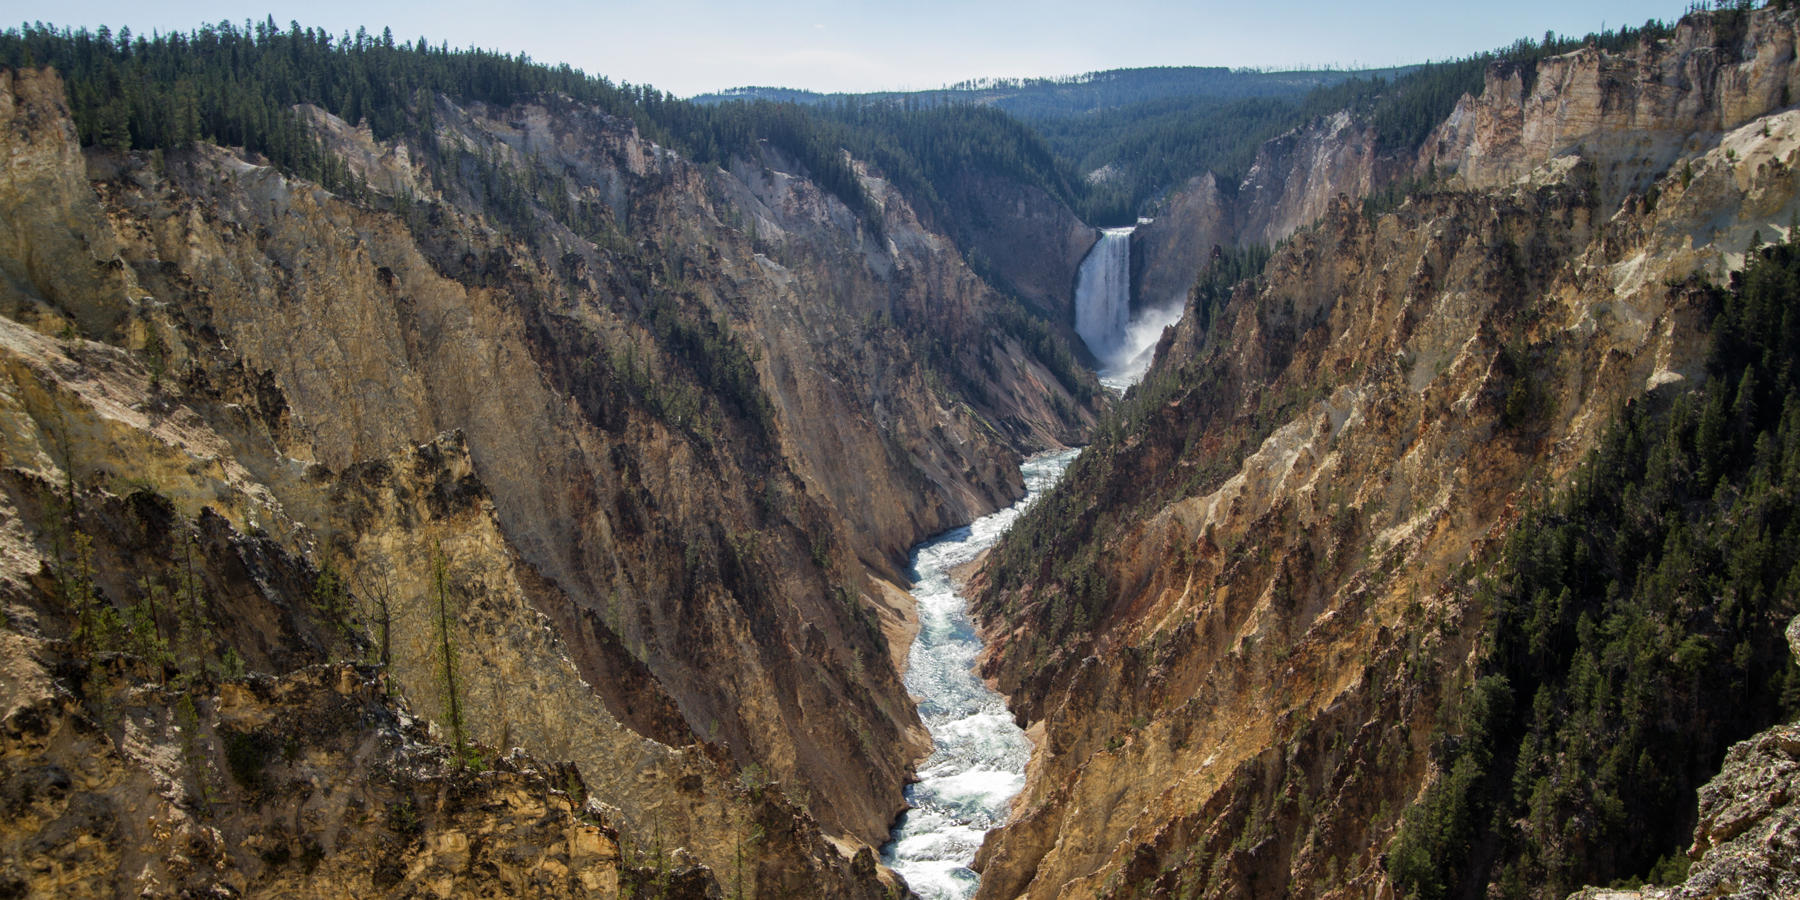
(1631, 115)
(1166, 252)
(1028, 241)
(1236, 627)
(1294, 179)
(595, 451)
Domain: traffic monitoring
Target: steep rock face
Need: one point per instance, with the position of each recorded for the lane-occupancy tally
(1631, 114)
(368, 375)
(58, 253)
(1166, 252)
(1032, 243)
(1296, 177)
(169, 524)
(1294, 180)
(308, 785)
(648, 459)
(1236, 626)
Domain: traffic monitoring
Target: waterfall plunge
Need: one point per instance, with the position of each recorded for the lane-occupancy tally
(1103, 294)
(1124, 345)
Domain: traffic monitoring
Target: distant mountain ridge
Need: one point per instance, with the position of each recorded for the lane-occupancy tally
(1074, 95)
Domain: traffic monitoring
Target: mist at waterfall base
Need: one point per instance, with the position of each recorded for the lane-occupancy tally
(1123, 344)
(977, 763)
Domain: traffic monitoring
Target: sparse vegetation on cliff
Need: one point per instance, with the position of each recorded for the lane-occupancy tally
(1048, 537)
(629, 395)
(1058, 549)
(1138, 150)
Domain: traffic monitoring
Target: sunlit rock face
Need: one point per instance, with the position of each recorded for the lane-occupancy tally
(1632, 115)
(663, 474)
(1244, 705)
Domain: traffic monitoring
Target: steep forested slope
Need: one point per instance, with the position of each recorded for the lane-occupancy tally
(1634, 627)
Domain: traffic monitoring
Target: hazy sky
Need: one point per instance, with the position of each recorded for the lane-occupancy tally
(693, 46)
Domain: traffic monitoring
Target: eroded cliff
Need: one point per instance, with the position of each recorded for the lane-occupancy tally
(1294, 180)
(308, 785)
(1239, 623)
(595, 451)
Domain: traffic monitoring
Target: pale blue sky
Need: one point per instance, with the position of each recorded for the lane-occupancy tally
(692, 46)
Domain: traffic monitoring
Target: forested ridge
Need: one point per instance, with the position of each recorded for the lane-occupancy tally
(1635, 630)
(238, 85)
(1130, 135)
(1075, 95)
(1109, 144)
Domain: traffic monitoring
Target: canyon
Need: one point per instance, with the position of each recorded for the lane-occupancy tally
(536, 514)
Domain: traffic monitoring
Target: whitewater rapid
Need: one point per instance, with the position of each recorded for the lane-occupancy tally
(977, 763)
(978, 757)
(1123, 343)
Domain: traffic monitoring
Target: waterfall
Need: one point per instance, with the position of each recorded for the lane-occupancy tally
(1103, 295)
(1123, 344)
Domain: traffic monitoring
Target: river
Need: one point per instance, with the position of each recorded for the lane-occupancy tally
(978, 757)
(977, 764)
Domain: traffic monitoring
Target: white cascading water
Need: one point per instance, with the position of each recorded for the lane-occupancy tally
(1103, 294)
(978, 757)
(1123, 344)
(977, 762)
